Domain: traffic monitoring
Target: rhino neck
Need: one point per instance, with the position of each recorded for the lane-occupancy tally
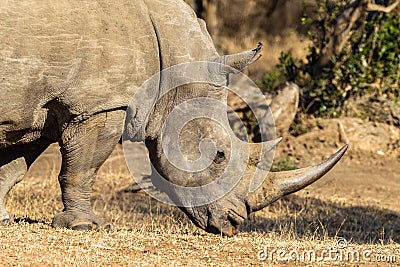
(182, 38)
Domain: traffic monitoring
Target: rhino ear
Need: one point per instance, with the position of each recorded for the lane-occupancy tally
(241, 60)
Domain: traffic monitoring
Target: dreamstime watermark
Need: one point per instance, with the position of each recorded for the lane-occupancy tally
(183, 95)
(341, 253)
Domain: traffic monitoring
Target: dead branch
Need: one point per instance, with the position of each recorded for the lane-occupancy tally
(386, 9)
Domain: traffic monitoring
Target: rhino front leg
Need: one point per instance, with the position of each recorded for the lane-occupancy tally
(84, 148)
(14, 163)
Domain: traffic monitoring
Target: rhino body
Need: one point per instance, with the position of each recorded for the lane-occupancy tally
(54, 55)
(68, 71)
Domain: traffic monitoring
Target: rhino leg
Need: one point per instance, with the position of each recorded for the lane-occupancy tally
(84, 148)
(14, 163)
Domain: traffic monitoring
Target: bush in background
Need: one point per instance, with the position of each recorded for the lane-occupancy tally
(369, 64)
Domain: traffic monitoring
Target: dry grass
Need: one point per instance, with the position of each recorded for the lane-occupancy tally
(146, 232)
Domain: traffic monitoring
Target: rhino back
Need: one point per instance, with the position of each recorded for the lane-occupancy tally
(73, 57)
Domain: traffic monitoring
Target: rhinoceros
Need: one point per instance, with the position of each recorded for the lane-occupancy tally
(68, 72)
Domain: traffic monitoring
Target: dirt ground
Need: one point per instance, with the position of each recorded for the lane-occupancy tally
(353, 211)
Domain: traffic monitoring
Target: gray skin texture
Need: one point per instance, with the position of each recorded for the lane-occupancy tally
(68, 71)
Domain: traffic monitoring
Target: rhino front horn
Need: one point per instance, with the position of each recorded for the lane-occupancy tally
(278, 184)
(241, 60)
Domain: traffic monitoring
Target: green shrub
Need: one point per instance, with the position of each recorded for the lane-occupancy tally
(369, 64)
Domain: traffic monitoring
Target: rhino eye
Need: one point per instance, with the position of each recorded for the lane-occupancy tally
(219, 157)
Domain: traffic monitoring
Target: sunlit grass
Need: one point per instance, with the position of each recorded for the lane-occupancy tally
(147, 232)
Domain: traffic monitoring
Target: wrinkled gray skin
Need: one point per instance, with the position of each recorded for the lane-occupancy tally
(68, 71)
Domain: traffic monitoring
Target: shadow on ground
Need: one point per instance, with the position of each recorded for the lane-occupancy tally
(294, 216)
(316, 218)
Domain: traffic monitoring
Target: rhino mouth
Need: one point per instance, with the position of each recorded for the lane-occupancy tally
(225, 227)
(217, 219)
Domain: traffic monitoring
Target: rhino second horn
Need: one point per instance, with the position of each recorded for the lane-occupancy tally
(241, 60)
(278, 184)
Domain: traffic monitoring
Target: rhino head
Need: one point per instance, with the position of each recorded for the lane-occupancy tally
(216, 178)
